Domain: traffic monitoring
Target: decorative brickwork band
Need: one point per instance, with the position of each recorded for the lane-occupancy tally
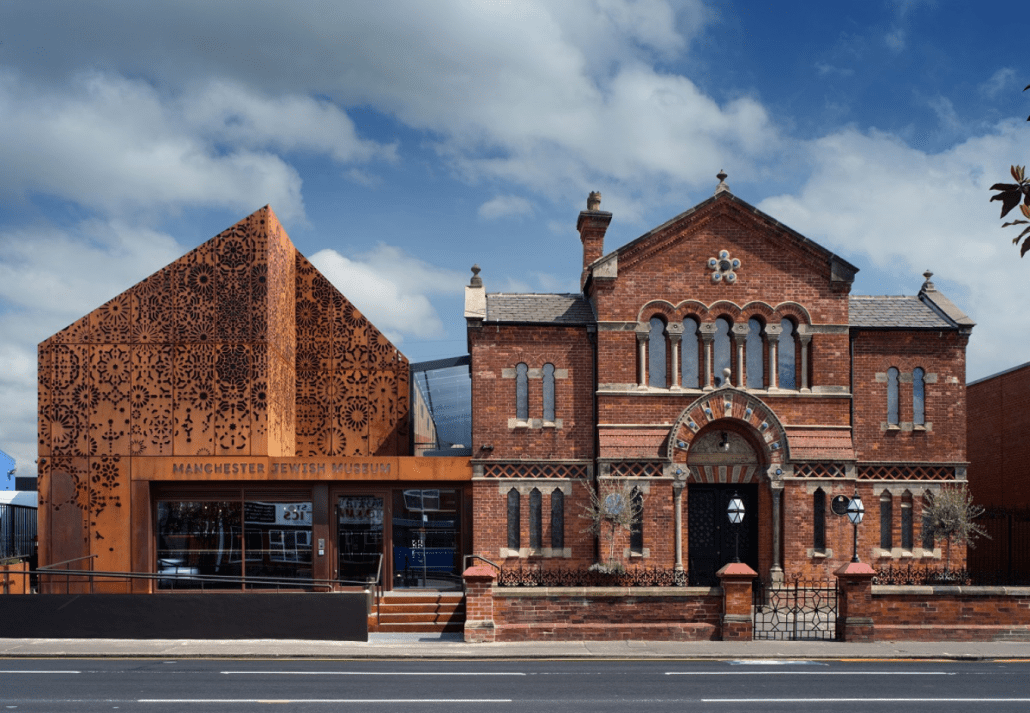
(536, 470)
(818, 470)
(902, 471)
(636, 469)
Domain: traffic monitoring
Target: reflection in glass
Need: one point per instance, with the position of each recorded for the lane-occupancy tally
(198, 538)
(425, 538)
(278, 540)
(359, 529)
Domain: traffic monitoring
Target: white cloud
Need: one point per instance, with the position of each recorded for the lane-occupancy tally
(905, 210)
(391, 288)
(999, 82)
(504, 206)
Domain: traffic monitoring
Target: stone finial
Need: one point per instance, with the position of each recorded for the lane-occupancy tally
(721, 175)
(476, 280)
(594, 201)
(726, 377)
(928, 285)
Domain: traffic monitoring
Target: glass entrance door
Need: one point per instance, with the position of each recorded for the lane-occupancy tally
(359, 538)
(426, 538)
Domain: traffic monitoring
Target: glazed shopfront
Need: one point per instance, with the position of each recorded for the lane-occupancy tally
(403, 521)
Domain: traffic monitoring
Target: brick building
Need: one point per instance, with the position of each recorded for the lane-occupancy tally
(999, 446)
(718, 353)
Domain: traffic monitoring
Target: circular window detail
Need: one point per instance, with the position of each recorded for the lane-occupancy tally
(724, 268)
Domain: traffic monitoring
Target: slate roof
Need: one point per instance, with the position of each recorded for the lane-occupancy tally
(905, 312)
(538, 309)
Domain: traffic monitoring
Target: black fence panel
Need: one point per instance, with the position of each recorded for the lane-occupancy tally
(795, 610)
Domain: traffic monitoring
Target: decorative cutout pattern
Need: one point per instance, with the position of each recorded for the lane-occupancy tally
(240, 347)
(636, 469)
(818, 470)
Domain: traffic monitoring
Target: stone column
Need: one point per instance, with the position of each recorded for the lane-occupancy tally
(740, 338)
(737, 622)
(806, 340)
(707, 331)
(776, 486)
(479, 604)
(772, 340)
(675, 331)
(677, 500)
(642, 335)
(855, 602)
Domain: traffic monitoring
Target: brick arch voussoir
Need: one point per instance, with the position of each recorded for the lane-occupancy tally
(657, 308)
(793, 309)
(735, 405)
(762, 310)
(692, 308)
(725, 307)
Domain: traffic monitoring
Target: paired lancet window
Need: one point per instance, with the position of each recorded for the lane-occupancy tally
(522, 376)
(894, 379)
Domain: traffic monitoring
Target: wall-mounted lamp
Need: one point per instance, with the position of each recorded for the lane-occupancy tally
(486, 447)
(724, 444)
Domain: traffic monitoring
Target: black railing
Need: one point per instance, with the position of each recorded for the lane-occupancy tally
(796, 610)
(942, 576)
(587, 577)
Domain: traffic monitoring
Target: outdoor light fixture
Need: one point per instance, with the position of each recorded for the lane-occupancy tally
(724, 444)
(735, 511)
(855, 512)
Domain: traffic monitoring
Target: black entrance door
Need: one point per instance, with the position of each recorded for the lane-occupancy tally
(711, 538)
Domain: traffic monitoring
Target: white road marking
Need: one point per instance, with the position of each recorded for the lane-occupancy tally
(810, 673)
(324, 700)
(865, 700)
(40, 671)
(372, 673)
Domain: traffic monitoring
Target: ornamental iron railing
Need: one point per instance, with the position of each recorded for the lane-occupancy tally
(796, 610)
(591, 577)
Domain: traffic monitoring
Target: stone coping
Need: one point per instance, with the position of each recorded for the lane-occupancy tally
(966, 591)
(541, 592)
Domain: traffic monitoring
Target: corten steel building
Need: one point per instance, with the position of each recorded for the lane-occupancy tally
(233, 414)
(718, 353)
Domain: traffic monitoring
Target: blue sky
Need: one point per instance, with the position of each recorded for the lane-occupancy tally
(401, 142)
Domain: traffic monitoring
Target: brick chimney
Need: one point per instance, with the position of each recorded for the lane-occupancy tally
(592, 225)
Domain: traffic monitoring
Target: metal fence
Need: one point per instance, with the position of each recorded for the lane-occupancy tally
(795, 610)
(17, 531)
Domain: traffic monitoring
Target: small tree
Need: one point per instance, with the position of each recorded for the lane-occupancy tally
(950, 516)
(614, 506)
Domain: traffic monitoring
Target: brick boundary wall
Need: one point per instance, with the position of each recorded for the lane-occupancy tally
(607, 613)
(912, 613)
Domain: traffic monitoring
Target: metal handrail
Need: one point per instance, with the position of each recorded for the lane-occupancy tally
(465, 562)
(67, 578)
(47, 570)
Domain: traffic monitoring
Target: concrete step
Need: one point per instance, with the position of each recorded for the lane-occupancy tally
(418, 612)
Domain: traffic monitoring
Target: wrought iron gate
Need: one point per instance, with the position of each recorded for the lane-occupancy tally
(795, 610)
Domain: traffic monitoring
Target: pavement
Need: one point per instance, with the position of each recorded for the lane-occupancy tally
(430, 646)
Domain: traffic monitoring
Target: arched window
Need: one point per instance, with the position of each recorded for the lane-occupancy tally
(522, 392)
(723, 351)
(819, 520)
(906, 521)
(925, 531)
(755, 370)
(514, 515)
(557, 519)
(886, 521)
(918, 397)
(636, 532)
(786, 356)
(892, 396)
(549, 393)
(536, 524)
(690, 355)
(656, 360)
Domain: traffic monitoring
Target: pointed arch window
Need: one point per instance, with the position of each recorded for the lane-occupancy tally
(690, 351)
(892, 396)
(535, 519)
(918, 397)
(886, 521)
(755, 368)
(514, 517)
(636, 532)
(925, 532)
(549, 393)
(557, 519)
(819, 520)
(723, 351)
(522, 392)
(786, 368)
(656, 354)
(906, 521)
